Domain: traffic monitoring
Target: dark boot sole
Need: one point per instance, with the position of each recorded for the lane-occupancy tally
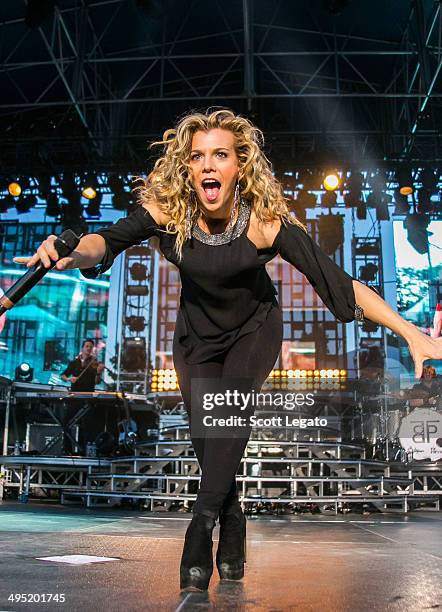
(193, 589)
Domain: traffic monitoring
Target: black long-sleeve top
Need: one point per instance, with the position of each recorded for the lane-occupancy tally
(226, 291)
(85, 371)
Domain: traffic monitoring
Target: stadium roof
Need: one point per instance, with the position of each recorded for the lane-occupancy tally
(88, 84)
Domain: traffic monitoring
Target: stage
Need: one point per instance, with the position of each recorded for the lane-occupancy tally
(295, 562)
(221, 220)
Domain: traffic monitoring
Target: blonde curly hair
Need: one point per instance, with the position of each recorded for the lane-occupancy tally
(169, 184)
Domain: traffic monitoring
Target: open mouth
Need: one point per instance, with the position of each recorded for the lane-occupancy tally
(211, 188)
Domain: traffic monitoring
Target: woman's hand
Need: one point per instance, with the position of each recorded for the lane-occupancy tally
(47, 254)
(73, 379)
(423, 347)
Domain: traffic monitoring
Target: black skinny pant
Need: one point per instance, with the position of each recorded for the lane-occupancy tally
(252, 356)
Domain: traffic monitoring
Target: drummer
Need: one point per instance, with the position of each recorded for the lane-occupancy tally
(428, 390)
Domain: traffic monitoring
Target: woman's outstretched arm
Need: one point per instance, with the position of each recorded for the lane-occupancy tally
(421, 346)
(102, 246)
(340, 292)
(88, 253)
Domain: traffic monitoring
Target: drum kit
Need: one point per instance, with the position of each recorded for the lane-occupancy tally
(396, 426)
(403, 428)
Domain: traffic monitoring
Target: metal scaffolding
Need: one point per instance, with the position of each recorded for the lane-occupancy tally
(95, 81)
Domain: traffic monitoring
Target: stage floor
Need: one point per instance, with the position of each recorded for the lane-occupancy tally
(306, 563)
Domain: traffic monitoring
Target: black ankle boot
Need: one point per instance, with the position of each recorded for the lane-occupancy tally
(197, 560)
(231, 553)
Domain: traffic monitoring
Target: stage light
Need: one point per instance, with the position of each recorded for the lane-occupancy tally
(303, 200)
(350, 201)
(53, 208)
(140, 290)
(138, 272)
(331, 182)
(428, 179)
(417, 232)
(25, 203)
(115, 183)
(89, 193)
(405, 181)
(379, 199)
(329, 199)
(402, 207)
(368, 272)
(134, 354)
(424, 203)
(93, 207)
(69, 186)
(355, 182)
(14, 189)
(353, 197)
(406, 190)
(382, 207)
(44, 185)
(164, 380)
(331, 232)
(72, 212)
(24, 372)
(121, 199)
(136, 324)
(90, 187)
(377, 181)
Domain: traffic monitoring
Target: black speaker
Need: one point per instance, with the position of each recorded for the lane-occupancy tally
(39, 435)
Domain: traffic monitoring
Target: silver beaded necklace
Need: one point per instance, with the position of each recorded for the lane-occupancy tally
(230, 233)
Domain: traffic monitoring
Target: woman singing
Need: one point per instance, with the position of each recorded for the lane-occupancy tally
(220, 216)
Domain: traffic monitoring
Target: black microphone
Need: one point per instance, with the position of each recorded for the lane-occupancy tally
(64, 245)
